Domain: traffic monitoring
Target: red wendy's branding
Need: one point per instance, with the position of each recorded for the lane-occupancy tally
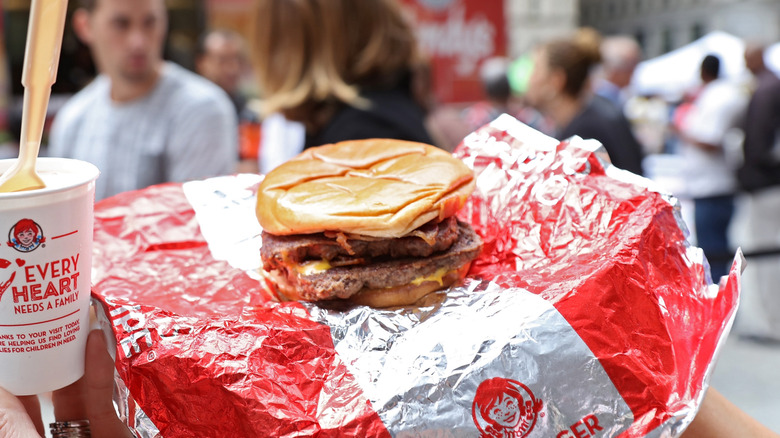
(458, 35)
(5, 284)
(41, 284)
(504, 408)
(25, 236)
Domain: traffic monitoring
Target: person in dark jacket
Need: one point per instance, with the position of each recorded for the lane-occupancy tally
(559, 87)
(761, 165)
(346, 70)
(758, 211)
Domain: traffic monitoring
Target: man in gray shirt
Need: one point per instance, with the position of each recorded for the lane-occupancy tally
(142, 121)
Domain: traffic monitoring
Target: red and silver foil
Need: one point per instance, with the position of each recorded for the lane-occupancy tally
(587, 314)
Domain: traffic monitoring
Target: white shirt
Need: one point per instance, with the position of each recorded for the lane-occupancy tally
(715, 112)
(184, 129)
(282, 139)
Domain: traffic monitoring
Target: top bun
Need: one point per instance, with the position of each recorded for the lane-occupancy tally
(377, 187)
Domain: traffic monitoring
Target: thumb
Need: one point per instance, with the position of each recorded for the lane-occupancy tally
(14, 421)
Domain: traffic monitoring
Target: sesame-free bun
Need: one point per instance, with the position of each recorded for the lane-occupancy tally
(378, 187)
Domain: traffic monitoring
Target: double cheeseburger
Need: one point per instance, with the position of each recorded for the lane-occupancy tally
(371, 221)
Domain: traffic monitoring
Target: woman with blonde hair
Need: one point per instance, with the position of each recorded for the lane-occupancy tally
(345, 69)
(559, 87)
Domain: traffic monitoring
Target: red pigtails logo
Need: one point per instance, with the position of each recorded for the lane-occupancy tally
(25, 236)
(504, 408)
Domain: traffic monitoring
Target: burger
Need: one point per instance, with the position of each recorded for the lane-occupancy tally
(370, 221)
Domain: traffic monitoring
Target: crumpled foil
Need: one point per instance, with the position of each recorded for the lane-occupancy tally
(587, 313)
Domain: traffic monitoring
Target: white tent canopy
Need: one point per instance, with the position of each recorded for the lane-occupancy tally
(772, 58)
(672, 74)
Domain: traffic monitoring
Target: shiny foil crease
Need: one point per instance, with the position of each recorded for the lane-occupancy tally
(570, 242)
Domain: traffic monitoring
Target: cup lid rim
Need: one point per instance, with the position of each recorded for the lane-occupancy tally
(86, 171)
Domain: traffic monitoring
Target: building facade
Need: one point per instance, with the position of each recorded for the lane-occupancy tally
(664, 25)
(531, 22)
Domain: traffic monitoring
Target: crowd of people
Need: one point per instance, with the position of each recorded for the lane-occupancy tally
(144, 120)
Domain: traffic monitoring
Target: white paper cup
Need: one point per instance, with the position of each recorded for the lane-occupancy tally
(45, 268)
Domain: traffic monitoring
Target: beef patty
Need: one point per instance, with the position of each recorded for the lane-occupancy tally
(345, 281)
(340, 250)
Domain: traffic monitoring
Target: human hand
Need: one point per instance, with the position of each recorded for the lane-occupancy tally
(719, 418)
(14, 420)
(88, 398)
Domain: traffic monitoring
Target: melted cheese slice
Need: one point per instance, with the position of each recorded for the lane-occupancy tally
(436, 276)
(313, 267)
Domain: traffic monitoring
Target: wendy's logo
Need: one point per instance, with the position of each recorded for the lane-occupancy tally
(25, 236)
(504, 408)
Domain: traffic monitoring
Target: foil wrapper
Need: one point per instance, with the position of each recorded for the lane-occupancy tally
(587, 313)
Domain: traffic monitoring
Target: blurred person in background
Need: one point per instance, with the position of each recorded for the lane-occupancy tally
(9, 147)
(344, 69)
(221, 57)
(620, 54)
(709, 174)
(647, 115)
(493, 75)
(449, 124)
(142, 120)
(501, 96)
(560, 88)
(761, 166)
(757, 221)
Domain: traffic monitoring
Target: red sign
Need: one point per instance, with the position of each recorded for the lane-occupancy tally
(458, 35)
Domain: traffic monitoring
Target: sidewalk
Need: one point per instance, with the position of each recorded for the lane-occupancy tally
(748, 374)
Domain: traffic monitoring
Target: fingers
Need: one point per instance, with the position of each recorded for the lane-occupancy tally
(14, 420)
(98, 390)
(91, 397)
(69, 402)
(33, 407)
